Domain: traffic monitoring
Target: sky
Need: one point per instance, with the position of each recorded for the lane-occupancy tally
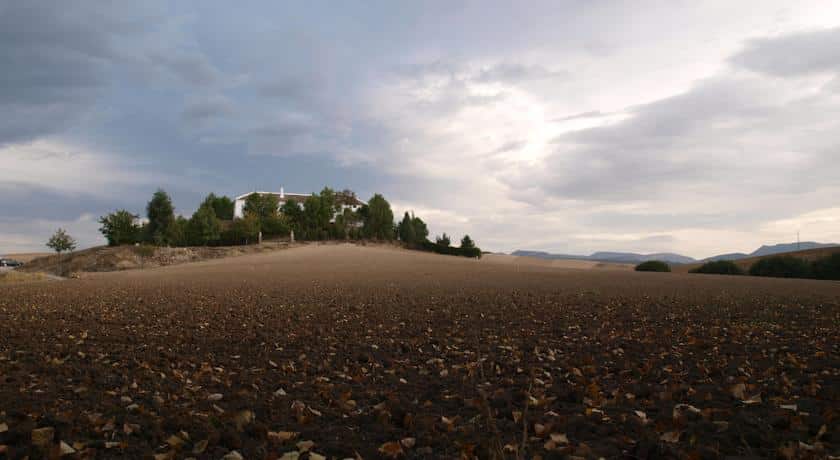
(566, 126)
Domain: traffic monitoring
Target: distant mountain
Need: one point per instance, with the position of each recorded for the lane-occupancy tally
(615, 257)
(789, 247)
(633, 258)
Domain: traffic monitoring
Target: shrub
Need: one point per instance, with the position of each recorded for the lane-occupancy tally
(120, 227)
(781, 267)
(719, 267)
(653, 266)
(827, 268)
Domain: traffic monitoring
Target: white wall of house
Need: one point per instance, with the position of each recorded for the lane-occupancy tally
(239, 204)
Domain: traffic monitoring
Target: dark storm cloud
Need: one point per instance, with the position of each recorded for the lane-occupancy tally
(52, 60)
(794, 54)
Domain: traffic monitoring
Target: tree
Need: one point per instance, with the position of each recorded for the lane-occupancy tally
(60, 242)
(120, 227)
(421, 231)
(178, 233)
(405, 230)
(468, 248)
(467, 242)
(443, 241)
(653, 266)
(245, 230)
(262, 206)
(781, 267)
(161, 216)
(294, 216)
(347, 223)
(222, 206)
(203, 227)
(379, 222)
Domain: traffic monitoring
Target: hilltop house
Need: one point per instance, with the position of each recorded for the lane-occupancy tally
(346, 199)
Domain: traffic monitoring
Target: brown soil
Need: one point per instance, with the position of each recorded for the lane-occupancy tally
(368, 352)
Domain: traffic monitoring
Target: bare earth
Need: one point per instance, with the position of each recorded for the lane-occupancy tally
(371, 352)
(26, 257)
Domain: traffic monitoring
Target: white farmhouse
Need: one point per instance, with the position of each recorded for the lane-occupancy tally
(345, 199)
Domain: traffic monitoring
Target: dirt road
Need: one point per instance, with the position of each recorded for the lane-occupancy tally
(348, 351)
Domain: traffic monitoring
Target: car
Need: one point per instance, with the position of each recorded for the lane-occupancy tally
(10, 263)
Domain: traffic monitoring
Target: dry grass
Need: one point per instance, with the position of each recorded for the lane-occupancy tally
(14, 276)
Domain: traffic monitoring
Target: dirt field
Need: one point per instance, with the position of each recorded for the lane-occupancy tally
(346, 351)
(517, 261)
(26, 257)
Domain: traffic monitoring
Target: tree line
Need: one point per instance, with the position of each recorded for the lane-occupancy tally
(321, 216)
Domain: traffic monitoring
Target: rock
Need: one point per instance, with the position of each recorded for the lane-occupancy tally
(43, 437)
(233, 455)
(65, 449)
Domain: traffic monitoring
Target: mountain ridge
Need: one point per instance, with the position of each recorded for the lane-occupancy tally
(674, 258)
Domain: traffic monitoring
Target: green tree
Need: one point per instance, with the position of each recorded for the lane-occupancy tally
(347, 223)
(405, 230)
(276, 225)
(59, 242)
(443, 241)
(294, 216)
(120, 227)
(827, 268)
(468, 248)
(222, 206)
(421, 231)
(379, 222)
(781, 267)
(467, 242)
(178, 233)
(245, 230)
(262, 206)
(653, 266)
(203, 227)
(161, 216)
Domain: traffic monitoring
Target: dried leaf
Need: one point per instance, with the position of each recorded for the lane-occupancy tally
(671, 436)
(391, 449)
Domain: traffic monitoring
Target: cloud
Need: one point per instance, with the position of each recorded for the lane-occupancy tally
(52, 65)
(63, 168)
(31, 235)
(207, 107)
(522, 127)
(796, 54)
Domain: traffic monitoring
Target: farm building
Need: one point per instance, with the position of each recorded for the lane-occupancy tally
(346, 199)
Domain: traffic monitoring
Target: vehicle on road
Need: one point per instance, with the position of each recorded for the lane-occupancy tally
(11, 263)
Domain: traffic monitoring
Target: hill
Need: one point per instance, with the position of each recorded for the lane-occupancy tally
(789, 247)
(746, 262)
(612, 257)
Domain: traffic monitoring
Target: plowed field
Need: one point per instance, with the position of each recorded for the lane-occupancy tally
(345, 351)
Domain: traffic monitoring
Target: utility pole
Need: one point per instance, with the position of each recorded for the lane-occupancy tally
(797, 240)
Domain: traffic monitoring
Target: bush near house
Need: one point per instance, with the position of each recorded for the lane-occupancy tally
(719, 267)
(781, 267)
(653, 266)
